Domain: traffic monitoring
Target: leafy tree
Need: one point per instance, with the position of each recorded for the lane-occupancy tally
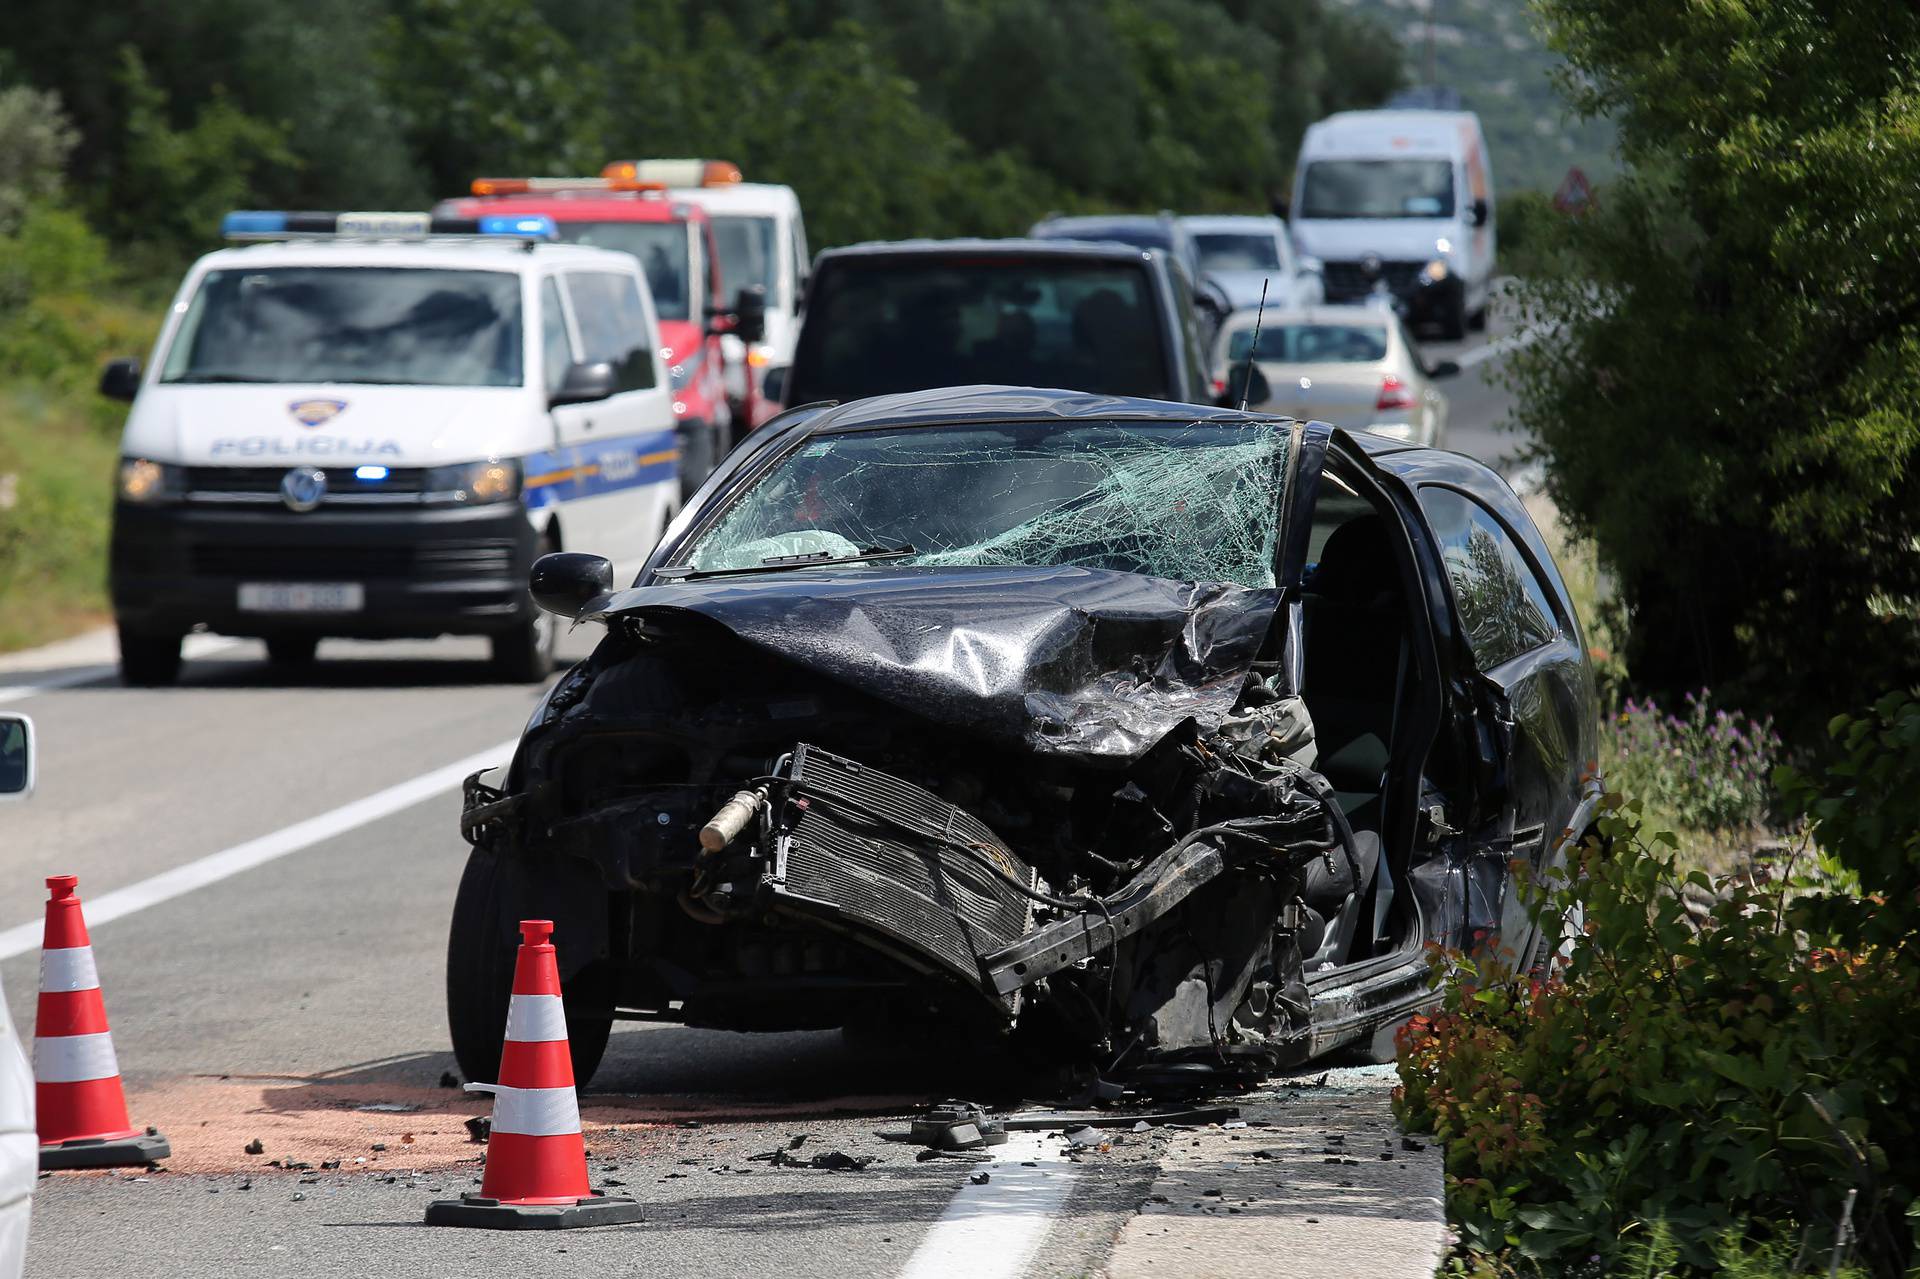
(1731, 401)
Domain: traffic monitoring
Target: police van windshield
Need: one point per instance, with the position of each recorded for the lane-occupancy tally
(746, 253)
(661, 248)
(881, 326)
(1378, 189)
(408, 326)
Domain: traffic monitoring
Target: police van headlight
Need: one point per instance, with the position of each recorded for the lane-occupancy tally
(476, 481)
(1435, 271)
(144, 483)
(680, 376)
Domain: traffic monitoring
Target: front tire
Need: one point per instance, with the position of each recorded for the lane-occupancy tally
(524, 655)
(482, 944)
(148, 661)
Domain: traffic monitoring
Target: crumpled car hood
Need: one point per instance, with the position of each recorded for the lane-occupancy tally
(1077, 662)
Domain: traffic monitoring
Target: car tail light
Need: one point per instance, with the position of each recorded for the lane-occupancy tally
(1219, 386)
(1394, 394)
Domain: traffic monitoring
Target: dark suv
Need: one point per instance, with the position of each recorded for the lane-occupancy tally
(919, 314)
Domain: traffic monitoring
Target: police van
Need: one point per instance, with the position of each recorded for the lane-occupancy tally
(371, 424)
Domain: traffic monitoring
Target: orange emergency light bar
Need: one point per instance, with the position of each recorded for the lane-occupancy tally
(541, 186)
(675, 173)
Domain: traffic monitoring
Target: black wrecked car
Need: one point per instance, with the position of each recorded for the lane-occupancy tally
(1161, 738)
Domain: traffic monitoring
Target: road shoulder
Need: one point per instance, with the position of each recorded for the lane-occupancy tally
(1321, 1176)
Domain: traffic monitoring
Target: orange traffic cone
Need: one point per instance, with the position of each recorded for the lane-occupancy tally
(82, 1110)
(536, 1158)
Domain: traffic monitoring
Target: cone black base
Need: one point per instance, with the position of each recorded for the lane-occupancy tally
(91, 1152)
(491, 1214)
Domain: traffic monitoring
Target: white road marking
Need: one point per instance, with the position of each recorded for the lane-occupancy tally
(995, 1231)
(194, 646)
(215, 867)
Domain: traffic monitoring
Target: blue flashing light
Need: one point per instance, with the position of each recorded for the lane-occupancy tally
(536, 226)
(253, 222)
(370, 472)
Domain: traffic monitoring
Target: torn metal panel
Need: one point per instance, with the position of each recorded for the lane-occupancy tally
(1068, 661)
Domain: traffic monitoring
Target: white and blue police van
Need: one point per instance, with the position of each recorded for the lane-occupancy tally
(371, 424)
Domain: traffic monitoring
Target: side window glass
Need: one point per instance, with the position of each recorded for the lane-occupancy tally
(1184, 304)
(802, 264)
(556, 352)
(613, 326)
(1502, 605)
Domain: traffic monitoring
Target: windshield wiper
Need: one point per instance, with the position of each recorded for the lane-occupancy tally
(217, 377)
(780, 563)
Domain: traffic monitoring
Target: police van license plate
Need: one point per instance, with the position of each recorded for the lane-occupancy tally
(302, 597)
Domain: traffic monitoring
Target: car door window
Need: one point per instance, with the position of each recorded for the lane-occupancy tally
(1502, 604)
(613, 326)
(556, 350)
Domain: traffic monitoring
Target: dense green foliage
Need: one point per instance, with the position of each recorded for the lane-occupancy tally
(889, 119)
(1724, 1060)
(1731, 406)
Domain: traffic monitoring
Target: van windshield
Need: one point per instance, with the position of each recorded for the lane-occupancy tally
(745, 246)
(661, 248)
(408, 326)
(1378, 189)
(880, 326)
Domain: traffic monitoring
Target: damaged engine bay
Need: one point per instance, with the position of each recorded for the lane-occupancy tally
(1105, 837)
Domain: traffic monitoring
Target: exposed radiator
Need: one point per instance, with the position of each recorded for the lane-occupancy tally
(875, 853)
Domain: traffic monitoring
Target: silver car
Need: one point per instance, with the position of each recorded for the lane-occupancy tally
(1353, 366)
(1245, 254)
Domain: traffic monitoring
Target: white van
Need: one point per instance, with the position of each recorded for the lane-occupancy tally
(762, 241)
(1404, 199)
(373, 424)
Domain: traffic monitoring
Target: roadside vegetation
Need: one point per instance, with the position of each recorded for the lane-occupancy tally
(1714, 1076)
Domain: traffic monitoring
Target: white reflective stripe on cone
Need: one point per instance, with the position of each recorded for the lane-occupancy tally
(67, 969)
(73, 1059)
(535, 1112)
(534, 1019)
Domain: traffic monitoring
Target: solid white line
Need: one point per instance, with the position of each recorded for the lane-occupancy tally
(194, 646)
(215, 867)
(995, 1231)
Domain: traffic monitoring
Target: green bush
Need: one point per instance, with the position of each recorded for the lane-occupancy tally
(1712, 1060)
(1706, 773)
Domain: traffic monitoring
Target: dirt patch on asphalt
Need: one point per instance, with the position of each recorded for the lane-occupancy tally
(268, 1125)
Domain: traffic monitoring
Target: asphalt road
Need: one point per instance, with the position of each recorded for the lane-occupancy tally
(279, 1001)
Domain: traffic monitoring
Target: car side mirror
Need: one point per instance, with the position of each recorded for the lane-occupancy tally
(16, 756)
(750, 313)
(1309, 266)
(565, 582)
(1444, 369)
(585, 383)
(1246, 383)
(1479, 208)
(120, 380)
(773, 383)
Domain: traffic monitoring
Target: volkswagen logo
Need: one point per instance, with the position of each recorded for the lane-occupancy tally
(303, 488)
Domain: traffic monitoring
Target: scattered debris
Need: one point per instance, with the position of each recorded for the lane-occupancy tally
(256, 1147)
(387, 1107)
(379, 1145)
(951, 1125)
(449, 1080)
(328, 1164)
(830, 1161)
(479, 1128)
(1409, 1143)
(980, 1178)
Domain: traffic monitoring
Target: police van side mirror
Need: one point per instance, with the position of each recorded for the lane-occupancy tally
(16, 756)
(564, 582)
(1479, 212)
(120, 380)
(585, 383)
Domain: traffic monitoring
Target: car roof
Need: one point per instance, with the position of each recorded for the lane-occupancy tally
(583, 206)
(1107, 249)
(1203, 223)
(953, 404)
(489, 253)
(1328, 314)
(1097, 226)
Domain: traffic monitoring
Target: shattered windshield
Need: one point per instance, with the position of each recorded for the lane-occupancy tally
(1195, 502)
